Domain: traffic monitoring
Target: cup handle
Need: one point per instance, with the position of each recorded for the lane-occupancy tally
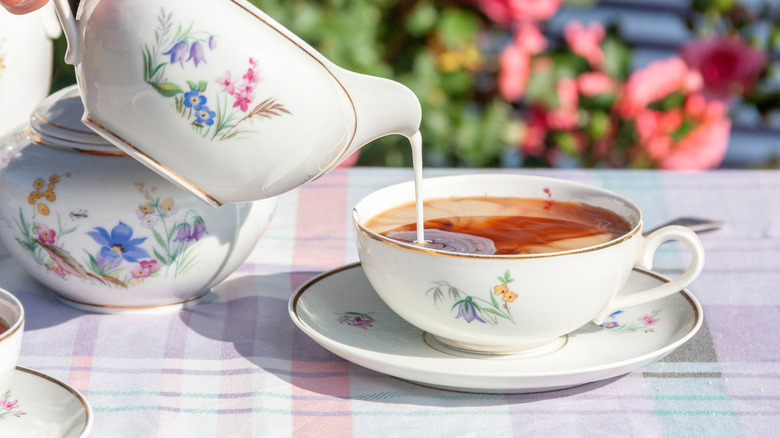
(71, 30)
(645, 260)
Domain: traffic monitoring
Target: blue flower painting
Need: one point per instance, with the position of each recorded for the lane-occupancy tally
(119, 243)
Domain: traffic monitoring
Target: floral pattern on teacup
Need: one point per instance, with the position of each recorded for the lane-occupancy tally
(472, 308)
(162, 245)
(356, 319)
(9, 407)
(215, 115)
(644, 323)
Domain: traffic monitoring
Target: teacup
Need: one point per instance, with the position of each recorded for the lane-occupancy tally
(458, 298)
(11, 328)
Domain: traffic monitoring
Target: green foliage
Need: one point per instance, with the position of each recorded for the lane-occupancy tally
(405, 41)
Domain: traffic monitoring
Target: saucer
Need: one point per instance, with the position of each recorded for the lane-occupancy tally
(38, 406)
(341, 311)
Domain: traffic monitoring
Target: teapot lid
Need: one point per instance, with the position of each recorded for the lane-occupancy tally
(57, 122)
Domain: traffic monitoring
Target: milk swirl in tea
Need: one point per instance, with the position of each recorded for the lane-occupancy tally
(502, 226)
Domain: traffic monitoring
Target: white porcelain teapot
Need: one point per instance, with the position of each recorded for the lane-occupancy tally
(221, 99)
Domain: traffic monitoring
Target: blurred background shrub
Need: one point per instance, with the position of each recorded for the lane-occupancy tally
(544, 83)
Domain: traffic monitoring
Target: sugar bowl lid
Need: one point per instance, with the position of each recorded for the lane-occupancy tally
(57, 122)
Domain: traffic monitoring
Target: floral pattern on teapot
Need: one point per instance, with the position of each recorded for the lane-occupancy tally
(219, 115)
(472, 308)
(121, 256)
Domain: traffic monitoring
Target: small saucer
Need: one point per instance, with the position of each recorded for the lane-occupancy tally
(38, 406)
(341, 311)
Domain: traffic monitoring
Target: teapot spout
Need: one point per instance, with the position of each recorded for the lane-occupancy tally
(383, 107)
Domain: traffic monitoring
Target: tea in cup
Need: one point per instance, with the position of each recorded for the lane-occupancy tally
(510, 263)
(11, 328)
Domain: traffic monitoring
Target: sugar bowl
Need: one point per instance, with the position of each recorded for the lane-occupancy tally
(105, 233)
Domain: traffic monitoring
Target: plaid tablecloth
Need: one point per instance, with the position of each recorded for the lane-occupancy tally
(236, 366)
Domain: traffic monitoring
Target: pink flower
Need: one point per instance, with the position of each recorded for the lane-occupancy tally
(566, 116)
(702, 147)
(145, 268)
(45, 234)
(727, 65)
(649, 319)
(514, 70)
(536, 131)
(251, 76)
(530, 38)
(656, 81)
(705, 146)
(57, 269)
(8, 404)
(150, 265)
(656, 141)
(244, 93)
(585, 41)
(511, 11)
(227, 83)
(594, 83)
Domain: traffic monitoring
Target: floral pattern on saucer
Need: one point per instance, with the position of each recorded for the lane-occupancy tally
(395, 347)
(644, 323)
(356, 319)
(9, 407)
(52, 408)
(220, 115)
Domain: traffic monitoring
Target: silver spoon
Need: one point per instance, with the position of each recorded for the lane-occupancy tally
(696, 224)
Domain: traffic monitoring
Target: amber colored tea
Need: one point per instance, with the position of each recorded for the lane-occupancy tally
(4, 326)
(502, 226)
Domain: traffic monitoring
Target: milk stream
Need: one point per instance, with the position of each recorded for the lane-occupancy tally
(417, 165)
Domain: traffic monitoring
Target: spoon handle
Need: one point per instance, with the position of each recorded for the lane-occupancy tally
(695, 224)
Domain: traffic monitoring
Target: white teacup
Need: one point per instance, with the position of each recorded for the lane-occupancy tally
(12, 315)
(451, 296)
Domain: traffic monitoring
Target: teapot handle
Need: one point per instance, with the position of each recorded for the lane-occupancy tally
(71, 29)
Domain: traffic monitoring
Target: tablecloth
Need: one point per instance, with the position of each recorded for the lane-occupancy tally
(236, 366)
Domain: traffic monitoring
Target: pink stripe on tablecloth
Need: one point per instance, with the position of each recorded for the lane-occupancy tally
(320, 402)
(321, 214)
(83, 351)
(321, 211)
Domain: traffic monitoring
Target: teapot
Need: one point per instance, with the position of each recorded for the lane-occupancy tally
(103, 232)
(221, 99)
(25, 63)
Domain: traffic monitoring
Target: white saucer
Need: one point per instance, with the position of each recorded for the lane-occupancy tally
(43, 407)
(341, 311)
